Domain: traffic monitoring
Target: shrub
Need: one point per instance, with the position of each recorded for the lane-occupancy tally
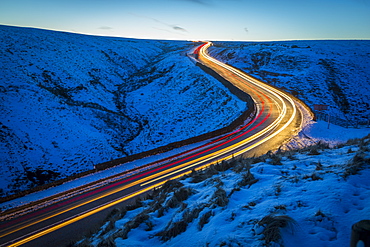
(363, 145)
(241, 165)
(189, 215)
(200, 176)
(172, 230)
(277, 189)
(354, 141)
(280, 207)
(178, 196)
(115, 214)
(259, 159)
(272, 225)
(175, 228)
(275, 159)
(220, 197)
(84, 243)
(247, 179)
(137, 220)
(290, 155)
(137, 204)
(355, 164)
(204, 219)
(314, 151)
(313, 177)
(107, 242)
(318, 166)
(110, 226)
(251, 204)
(132, 224)
(225, 165)
(170, 185)
(319, 213)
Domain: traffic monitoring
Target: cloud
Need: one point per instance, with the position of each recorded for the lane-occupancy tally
(246, 29)
(177, 28)
(173, 27)
(169, 31)
(203, 2)
(105, 28)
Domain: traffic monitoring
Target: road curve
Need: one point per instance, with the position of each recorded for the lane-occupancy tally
(276, 118)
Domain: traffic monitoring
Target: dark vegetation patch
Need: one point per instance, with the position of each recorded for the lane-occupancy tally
(272, 225)
(332, 77)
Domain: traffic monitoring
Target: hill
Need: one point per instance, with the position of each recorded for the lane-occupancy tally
(329, 72)
(71, 101)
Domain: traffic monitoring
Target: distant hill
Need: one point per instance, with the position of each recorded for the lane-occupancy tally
(70, 101)
(331, 72)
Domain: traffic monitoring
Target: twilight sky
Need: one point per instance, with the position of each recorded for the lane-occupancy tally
(249, 20)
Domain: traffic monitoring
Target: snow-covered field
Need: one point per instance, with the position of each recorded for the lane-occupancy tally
(333, 72)
(309, 197)
(71, 101)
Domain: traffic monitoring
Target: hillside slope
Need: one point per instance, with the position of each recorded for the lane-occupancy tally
(334, 73)
(71, 101)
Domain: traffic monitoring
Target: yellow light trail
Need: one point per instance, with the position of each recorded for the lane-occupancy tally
(179, 168)
(243, 142)
(82, 216)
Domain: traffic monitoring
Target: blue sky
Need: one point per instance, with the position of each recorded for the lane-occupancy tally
(248, 20)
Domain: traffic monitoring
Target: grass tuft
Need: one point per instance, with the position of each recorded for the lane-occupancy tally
(220, 197)
(272, 225)
(355, 164)
(247, 179)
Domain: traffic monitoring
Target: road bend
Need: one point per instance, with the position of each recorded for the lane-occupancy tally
(276, 118)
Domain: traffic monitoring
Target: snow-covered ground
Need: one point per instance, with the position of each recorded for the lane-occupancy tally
(310, 197)
(333, 134)
(71, 101)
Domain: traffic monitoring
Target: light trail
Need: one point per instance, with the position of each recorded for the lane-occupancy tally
(246, 138)
(73, 219)
(272, 90)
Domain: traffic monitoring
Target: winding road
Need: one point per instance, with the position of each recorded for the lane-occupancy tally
(275, 119)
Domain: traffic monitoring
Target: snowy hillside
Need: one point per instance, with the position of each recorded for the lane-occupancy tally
(335, 73)
(308, 197)
(71, 101)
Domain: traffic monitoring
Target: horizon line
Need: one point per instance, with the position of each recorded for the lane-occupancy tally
(216, 40)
